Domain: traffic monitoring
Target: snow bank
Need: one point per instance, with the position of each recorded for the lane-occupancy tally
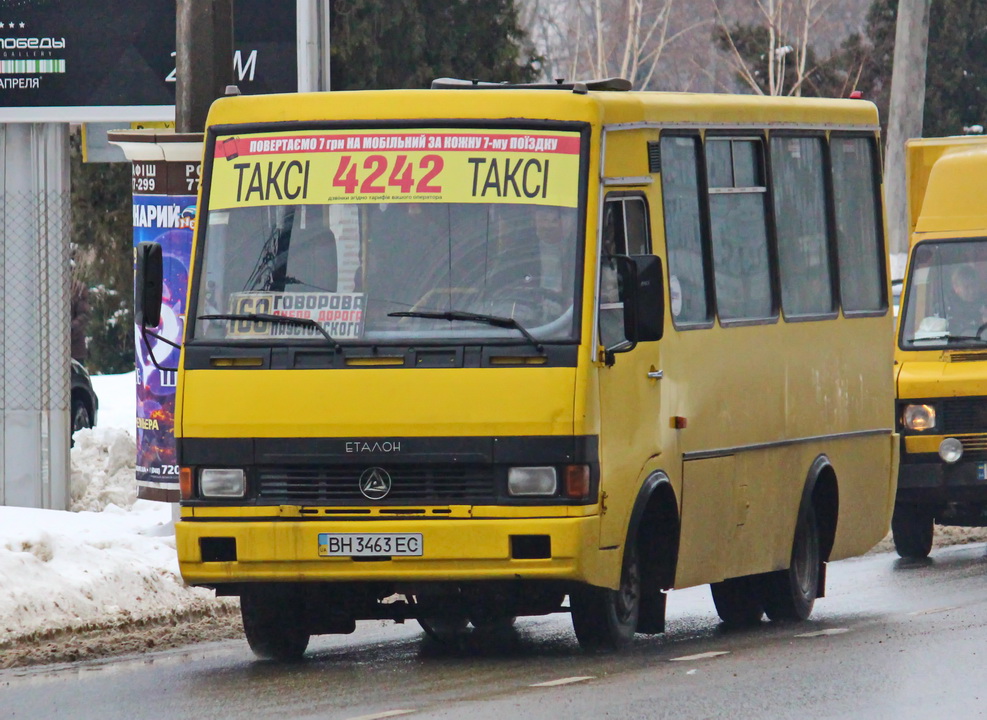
(109, 561)
(64, 570)
(103, 461)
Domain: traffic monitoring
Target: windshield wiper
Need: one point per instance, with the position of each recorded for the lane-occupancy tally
(271, 318)
(964, 338)
(454, 315)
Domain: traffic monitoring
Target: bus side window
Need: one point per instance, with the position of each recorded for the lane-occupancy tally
(738, 227)
(798, 188)
(858, 224)
(684, 229)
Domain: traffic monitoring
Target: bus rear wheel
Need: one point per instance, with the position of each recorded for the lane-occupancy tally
(606, 620)
(272, 624)
(912, 528)
(790, 594)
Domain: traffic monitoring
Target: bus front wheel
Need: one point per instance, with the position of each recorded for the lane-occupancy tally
(606, 620)
(912, 528)
(272, 624)
(738, 601)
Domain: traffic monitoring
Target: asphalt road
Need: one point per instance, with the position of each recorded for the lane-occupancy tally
(891, 640)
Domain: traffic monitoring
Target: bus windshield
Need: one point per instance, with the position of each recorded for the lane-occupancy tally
(946, 297)
(476, 240)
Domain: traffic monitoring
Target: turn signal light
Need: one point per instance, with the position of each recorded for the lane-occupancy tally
(577, 485)
(185, 482)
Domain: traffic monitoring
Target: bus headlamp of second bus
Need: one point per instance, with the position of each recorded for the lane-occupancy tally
(922, 418)
(918, 418)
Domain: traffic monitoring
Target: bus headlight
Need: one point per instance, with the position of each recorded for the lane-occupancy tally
(919, 417)
(532, 481)
(222, 483)
(950, 450)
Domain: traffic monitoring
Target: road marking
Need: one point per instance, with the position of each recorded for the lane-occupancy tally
(700, 656)
(821, 633)
(932, 611)
(564, 681)
(385, 714)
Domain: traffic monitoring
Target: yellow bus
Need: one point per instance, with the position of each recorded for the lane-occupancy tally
(480, 351)
(941, 354)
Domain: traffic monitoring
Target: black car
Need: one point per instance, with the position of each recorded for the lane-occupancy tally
(84, 401)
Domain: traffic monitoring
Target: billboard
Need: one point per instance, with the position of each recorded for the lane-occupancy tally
(66, 61)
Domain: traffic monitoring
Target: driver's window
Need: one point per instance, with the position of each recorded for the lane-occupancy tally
(625, 231)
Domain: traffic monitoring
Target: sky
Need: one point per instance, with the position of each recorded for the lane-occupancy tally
(111, 557)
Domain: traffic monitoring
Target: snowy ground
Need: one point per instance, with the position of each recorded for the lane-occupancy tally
(103, 578)
(107, 568)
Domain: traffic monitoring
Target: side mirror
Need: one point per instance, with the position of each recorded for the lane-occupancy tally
(148, 285)
(642, 295)
(644, 299)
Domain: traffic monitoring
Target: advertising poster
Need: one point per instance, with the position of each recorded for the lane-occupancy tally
(113, 60)
(164, 212)
(528, 167)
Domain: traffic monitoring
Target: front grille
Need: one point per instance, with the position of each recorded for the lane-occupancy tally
(446, 484)
(964, 415)
(974, 447)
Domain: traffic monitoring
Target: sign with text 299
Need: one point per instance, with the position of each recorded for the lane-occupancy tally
(537, 167)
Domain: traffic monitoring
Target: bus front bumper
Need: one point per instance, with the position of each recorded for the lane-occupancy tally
(936, 481)
(219, 552)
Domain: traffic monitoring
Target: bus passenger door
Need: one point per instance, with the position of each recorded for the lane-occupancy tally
(630, 388)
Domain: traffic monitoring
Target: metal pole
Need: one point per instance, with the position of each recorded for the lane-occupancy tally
(312, 30)
(204, 59)
(905, 113)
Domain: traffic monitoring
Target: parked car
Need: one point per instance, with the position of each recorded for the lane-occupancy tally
(84, 400)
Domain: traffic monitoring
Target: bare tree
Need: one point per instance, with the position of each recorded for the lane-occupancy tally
(667, 44)
(789, 24)
(606, 38)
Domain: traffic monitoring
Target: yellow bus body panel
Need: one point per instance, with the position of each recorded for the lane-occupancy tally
(372, 403)
(947, 184)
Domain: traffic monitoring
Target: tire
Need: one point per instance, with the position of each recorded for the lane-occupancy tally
(445, 630)
(441, 616)
(790, 594)
(739, 601)
(912, 528)
(80, 415)
(272, 624)
(605, 620)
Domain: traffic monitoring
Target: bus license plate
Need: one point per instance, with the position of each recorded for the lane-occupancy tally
(370, 544)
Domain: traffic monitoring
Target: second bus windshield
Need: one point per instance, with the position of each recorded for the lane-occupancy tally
(946, 298)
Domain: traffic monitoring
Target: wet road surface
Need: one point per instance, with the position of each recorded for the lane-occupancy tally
(892, 639)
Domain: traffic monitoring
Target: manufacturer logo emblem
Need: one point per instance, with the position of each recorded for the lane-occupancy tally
(375, 483)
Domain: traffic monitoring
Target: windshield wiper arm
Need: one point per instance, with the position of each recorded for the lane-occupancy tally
(271, 318)
(454, 315)
(950, 338)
